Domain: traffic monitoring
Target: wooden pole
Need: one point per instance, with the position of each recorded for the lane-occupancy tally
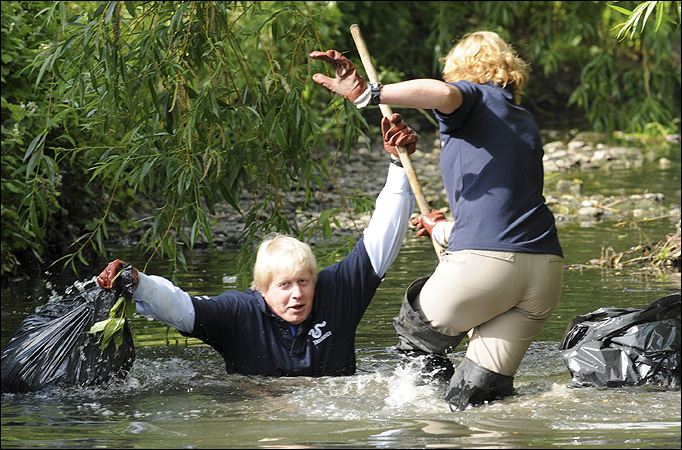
(387, 112)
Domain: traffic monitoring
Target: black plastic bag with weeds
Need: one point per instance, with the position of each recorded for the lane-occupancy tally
(59, 344)
(613, 347)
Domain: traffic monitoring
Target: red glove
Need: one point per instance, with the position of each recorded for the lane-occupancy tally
(348, 83)
(426, 222)
(398, 135)
(106, 279)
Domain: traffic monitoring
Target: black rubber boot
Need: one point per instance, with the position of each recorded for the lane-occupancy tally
(437, 368)
(473, 384)
(419, 340)
(414, 334)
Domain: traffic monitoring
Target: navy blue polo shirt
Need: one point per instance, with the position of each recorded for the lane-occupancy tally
(491, 164)
(254, 341)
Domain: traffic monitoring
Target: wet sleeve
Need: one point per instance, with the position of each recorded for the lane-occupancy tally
(158, 298)
(386, 230)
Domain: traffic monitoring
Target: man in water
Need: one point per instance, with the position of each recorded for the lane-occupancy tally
(293, 321)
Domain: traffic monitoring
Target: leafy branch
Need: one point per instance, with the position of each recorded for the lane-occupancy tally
(642, 12)
(111, 329)
(197, 102)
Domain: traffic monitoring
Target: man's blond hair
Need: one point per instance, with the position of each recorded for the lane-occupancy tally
(281, 255)
(484, 56)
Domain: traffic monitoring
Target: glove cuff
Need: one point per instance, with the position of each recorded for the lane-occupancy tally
(438, 233)
(364, 98)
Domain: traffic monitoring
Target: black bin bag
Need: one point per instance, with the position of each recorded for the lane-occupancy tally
(613, 347)
(53, 347)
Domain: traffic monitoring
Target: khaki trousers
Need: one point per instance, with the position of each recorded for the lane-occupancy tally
(504, 297)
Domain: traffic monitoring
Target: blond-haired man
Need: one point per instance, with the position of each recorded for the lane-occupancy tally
(293, 321)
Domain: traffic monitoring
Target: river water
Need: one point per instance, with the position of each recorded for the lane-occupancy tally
(178, 396)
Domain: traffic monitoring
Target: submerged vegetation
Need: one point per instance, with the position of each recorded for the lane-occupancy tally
(109, 108)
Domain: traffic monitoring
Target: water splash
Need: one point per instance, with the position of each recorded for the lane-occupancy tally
(400, 392)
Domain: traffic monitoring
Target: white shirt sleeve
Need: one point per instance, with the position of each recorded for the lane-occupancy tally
(387, 228)
(159, 299)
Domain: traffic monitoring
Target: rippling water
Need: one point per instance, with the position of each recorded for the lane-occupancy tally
(177, 393)
(178, 397)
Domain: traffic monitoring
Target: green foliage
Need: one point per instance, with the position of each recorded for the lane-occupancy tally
(38, 191)
(643, 12)
(185, 104)
(111, 329)
(631, 84)
(18, 112)
(575, 54)
(171, 108)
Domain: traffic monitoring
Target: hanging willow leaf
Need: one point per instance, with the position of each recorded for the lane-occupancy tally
(164, 82)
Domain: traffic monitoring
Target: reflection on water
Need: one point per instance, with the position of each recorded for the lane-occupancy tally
(177, 393)
(179, 397)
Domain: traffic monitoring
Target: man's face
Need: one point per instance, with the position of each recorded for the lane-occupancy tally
(291, 296)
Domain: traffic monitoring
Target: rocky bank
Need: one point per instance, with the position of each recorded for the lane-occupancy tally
(366, 166)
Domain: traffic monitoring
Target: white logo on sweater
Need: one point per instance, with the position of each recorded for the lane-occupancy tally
(316, 332)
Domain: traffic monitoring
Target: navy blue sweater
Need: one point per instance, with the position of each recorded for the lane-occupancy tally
(254, 341)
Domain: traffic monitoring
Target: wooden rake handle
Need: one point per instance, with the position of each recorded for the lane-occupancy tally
(387, 112)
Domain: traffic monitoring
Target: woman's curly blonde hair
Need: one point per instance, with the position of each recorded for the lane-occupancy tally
(484, 56)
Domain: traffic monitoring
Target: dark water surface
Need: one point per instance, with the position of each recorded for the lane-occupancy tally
(177, 394)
